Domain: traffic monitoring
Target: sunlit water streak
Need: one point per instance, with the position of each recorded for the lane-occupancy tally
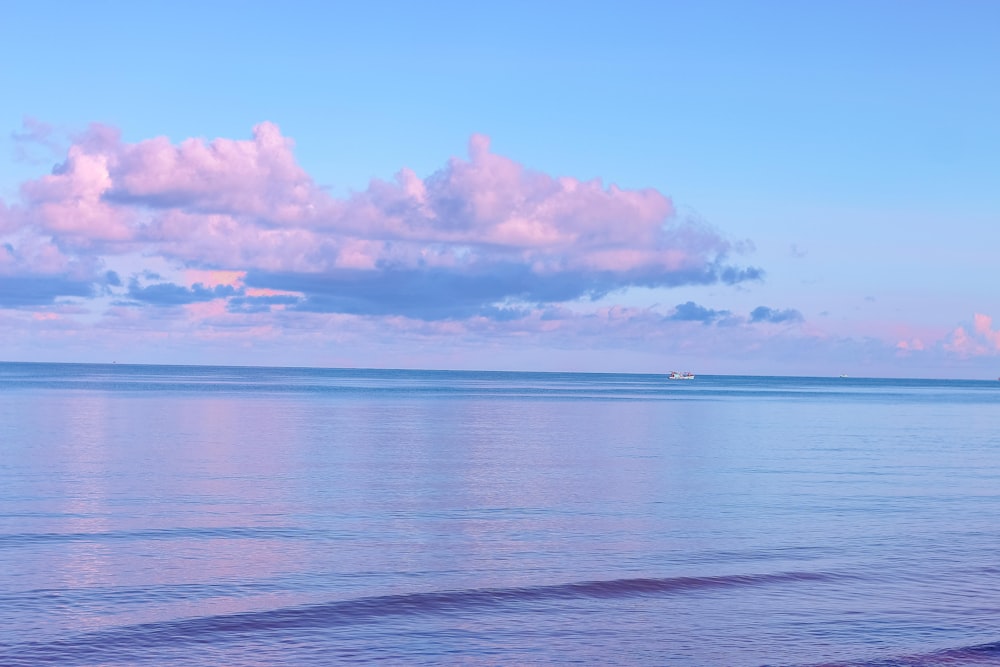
(251, 516)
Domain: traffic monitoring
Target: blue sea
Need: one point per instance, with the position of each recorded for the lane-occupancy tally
(191, 515)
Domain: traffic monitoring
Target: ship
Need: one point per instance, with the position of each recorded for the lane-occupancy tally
(674, 375)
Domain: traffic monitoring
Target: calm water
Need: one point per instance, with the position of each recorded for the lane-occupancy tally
(247, 516)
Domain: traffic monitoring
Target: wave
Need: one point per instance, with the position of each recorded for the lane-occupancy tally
(974, 655)
(979, 654)
(129, 643)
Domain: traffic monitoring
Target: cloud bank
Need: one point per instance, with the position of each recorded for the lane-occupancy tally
(484, 236)
(230, 244)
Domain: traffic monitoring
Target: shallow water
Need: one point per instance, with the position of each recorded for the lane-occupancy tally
(249, 516)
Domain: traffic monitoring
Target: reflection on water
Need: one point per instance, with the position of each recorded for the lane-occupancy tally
(275, 516)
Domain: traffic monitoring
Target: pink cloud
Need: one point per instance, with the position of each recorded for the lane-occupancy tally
(912, 345)
(493, 204)
(214, 278)
(70, 203)
(480, 232)
(257, 178)
(984, 327)
(222, 241)
(39, 256)
(982, 340)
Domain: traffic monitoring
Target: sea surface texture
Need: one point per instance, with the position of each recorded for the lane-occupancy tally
(156, 515)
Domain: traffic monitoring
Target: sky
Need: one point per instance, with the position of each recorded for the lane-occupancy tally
(766, 188)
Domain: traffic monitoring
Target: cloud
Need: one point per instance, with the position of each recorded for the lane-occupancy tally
(981, 340)
(35, 141)
(232, 240)
(257, 178)
(69, 204)
(911, 345)
(35, 272)
(765, 314)
(481, 237)
(261, 304)
(36, 290)
(692, 312)
(731, 275)
(170, 294)
(429, 294)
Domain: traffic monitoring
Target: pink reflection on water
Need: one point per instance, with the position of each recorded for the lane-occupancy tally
(173, 499)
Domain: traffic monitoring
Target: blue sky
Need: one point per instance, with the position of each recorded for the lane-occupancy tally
(847, 152)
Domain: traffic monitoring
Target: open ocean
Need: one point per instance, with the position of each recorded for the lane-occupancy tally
(183, 515)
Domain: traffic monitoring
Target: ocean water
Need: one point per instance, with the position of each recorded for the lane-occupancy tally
(156, 515)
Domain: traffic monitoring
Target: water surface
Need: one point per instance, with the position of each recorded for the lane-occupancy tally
(249, 516)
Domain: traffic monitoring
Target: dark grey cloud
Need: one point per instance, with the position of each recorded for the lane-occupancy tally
(445, 293)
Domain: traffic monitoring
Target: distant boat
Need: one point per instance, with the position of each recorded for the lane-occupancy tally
(674, 375)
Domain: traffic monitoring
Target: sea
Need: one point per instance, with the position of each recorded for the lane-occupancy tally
(195, 515)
